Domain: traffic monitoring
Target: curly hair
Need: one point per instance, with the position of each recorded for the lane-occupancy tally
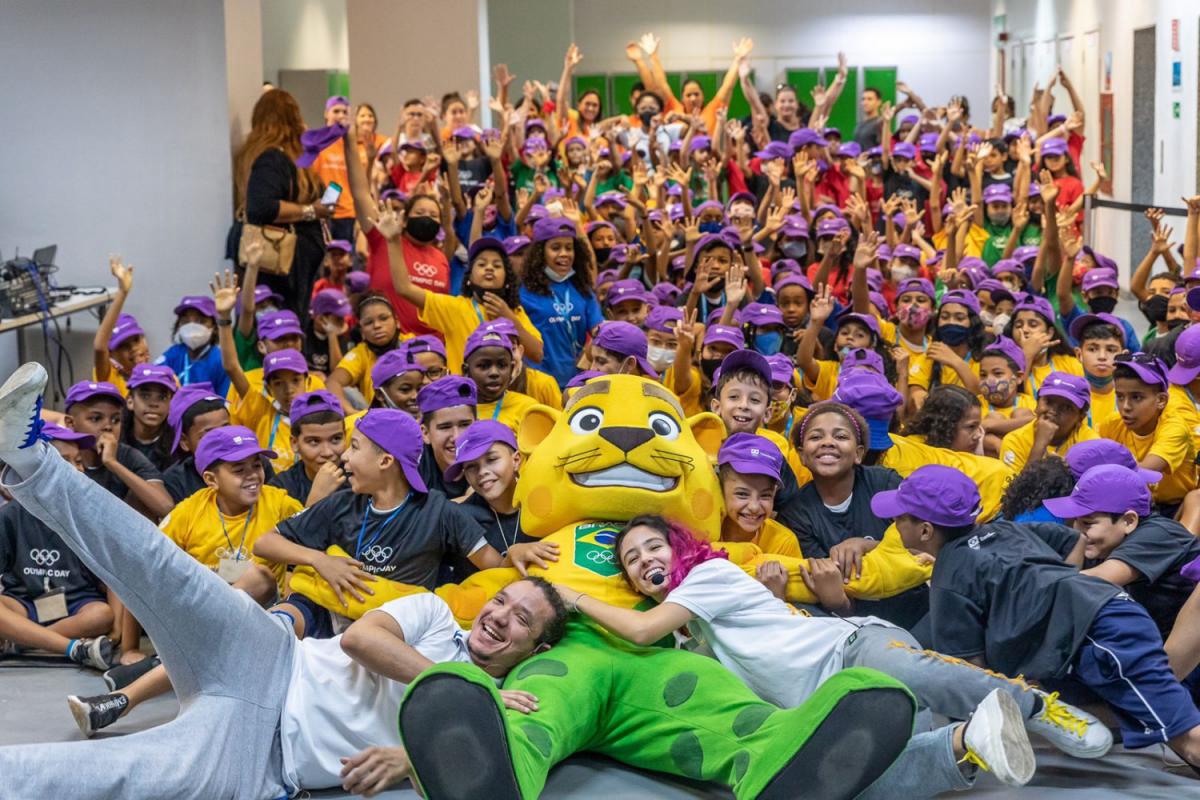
(510, 292)
(688, 550)
(1047, 477)
(939, 418)
(535, 264)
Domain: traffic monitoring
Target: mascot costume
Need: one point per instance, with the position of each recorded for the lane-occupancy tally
(622, 447)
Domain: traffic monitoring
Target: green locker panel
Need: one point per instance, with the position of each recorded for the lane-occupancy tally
(622, 84)
(883, 79)
(739, 106)
(803, 81)
(709, 81)
(675, 81)
(844, 115)
(598, 83)
(338, 83)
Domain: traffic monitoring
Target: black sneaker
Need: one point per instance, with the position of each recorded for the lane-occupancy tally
(94, 713)
(97, 653)
(119, 677)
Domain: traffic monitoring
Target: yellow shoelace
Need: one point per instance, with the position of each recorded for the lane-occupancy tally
(972, 758)
(1057, 713)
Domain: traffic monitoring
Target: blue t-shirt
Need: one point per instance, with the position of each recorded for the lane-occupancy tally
(564, 318)
(1132, 343)
(205, 368)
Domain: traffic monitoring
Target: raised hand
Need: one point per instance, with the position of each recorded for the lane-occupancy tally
(1047, 187)
(735, 285)
(1020, 215)
(390, 224)
(224, 290)
(472, 99)
(691, 230)
(124, 274)
(570, 210)
(1160, 237)
(887, 111)
(483, 198)
(493, 148)
(633, 51)
(688, 331)
(820, 308)
(573, 57)
(864, 254)
(742, 47)
(502, 76)
(649, 43)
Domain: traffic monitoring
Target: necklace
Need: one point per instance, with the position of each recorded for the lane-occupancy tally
(500, 527)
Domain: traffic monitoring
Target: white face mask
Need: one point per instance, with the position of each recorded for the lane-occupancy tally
(262, 312)
(660, 357)
(902, 272)
(194, 335)
(999, 323)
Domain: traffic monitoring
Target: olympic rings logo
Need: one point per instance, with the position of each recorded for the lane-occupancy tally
(377, 554)
(44, 558)
(601, 557)
(425, 270)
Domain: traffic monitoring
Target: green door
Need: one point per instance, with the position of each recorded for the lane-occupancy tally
(844, 114)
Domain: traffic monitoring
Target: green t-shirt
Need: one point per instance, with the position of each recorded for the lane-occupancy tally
(993, 249)
(523, 174)
(247, 348)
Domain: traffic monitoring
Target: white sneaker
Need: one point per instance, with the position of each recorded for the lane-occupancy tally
(996, 741)
(21, 407)
(1072, 730)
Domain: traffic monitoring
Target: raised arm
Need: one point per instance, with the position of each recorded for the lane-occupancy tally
(819, 310)
(452, 158)
(100, 355)
(741, 49)
(493, 149)
(570, 61)
(835, 88)
(360, 188)
(225, 294)
(864, 257)
(391, 225)
(245, 323)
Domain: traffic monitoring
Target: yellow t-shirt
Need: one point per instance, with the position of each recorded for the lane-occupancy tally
(1172, 441)
(991, 476)
(1022, 400)
(790, 455)
(359, 362)
(1016, 445)
(1180, 403)
(1102, 406)
(115, 378)
(977, 237)
(456, 317)
(826, 383)
(254, 377)
(273, 428)
(890, 333)
(776, 539)
(510, 409)
(543, 388)
(196, 526)
(690, 401)
(920, 372)
(1060, 363)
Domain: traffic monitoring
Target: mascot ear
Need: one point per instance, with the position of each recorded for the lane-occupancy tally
(709, 431)
(536, 426)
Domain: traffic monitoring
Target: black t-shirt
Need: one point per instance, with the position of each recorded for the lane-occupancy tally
(502, 531)
(316, 351)
(34, 559)
(431, 473)
(295, 481)
(133, 461)
(1004, 592)
(904, 185)
(153, 452)
(473, 173)
(868, 132)
(1158, 548)
(181, 479)
(406, 546)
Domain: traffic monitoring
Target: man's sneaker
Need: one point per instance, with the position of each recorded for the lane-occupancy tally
(94, 713)
(119, 677)
(996, 741)
(97, 653)
(21, 407)
(1070, 729)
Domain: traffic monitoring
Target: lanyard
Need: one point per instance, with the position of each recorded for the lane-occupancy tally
(188, 363)
(1033, 384)
(787, 429)
(358, 547)
(274, 430)
(478, 313)
(499, 405)
(237, 554)
(1011, 408)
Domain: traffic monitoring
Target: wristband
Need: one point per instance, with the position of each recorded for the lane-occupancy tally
(309, 212)
(224, 323)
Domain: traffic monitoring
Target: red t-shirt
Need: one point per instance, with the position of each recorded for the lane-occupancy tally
(839, 286)
(427, 267)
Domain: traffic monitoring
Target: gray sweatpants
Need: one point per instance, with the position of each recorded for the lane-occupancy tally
(229, 660)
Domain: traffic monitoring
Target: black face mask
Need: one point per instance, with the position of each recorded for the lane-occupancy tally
(953, 335)
(603, 254)
(379, 349)
(1102, 305)
(645, 117)
(423, 229)
(709, 366)
(1155, 309)
(476, 292)
(1177, 323)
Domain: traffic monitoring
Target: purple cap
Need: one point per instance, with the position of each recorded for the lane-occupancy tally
(927, 142)
(475, 441)
(742, 197)
(1034, 190)
(862, 357)
(1094, 452)
(197, 302)
(961, 297)
(1187, 357)
(392, 363)
(485, 243)
(795, 227)
(314, 140)
(805, 137)
(761, 315)
(1193, 298)
(514, 244)
(748, 454)
(336, 100)
(1085, 320)
(1037, 304)
(628, 289)
(184, 399)
(831, 226)
(699, 143)
(447, 392)
(330, 301)
(1069, 387)
(357, 281)
(392, 194)
(870, 394)
(625, 339)
(580, 378)
(1054, 147)
(745, 359)
(465, 132)
(608, 276)
(783, 370)
(666, 294)
(663, 318)
(787, 279)
(334, 244)
(157, 374)
(996, 289)
(535, 122)
(484, 336)
(284, 360)
(998, 193)
(785, 265)
(278, 324)
(932, 493)
(125, 329)
(1107, 488)
(534, 144)
(1025, 253)
(880, 302)
(58, 433)
(1008, 265)
(850, 150)
(875, 152)
(906, 251)
(1095, 278)
(263, 293)
(724, 334)
(868, 320)
(312, 403)
(399, 435)
(922, 285)
(549, 228)
(1148, 369)
(611, 199)
(710, 240)
(231, 443)
(86, 390)
(1009, 349)
(904, 150)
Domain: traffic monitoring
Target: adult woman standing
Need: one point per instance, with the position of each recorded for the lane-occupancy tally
(271, 190)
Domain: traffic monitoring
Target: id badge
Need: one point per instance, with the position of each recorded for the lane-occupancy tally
(51, 606)
(231, 570)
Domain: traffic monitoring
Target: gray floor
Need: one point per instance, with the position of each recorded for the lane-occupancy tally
(33, 709)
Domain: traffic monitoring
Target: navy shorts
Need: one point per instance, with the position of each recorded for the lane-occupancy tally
(1123, 661)
(73, 605)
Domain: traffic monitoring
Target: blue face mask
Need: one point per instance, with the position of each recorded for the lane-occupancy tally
(555, 277)
(1099, 383)
(711, 227)
(953, 335)
(768, 343)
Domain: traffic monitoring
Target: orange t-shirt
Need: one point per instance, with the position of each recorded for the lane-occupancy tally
(380, 141)
(331, 166)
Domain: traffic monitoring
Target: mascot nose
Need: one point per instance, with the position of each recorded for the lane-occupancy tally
(626, 438)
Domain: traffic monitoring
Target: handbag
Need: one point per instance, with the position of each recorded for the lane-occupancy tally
(278, 246)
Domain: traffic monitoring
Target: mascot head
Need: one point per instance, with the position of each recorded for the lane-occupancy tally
(620, 448)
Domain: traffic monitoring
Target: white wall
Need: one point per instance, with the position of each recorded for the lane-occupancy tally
(119, 142)
(304, 34)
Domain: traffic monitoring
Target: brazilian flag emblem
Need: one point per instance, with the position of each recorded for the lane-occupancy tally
(594, 548)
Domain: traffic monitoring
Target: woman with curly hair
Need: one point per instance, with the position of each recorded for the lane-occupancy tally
(951, 417)
(1047, 477)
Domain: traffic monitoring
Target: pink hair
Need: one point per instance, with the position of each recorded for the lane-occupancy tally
(687, 548)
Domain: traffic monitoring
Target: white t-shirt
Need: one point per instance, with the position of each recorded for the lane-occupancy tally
(779, 652)
(336, 707)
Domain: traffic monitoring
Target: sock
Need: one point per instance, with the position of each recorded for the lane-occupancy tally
(72, 646)
(25, 461)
